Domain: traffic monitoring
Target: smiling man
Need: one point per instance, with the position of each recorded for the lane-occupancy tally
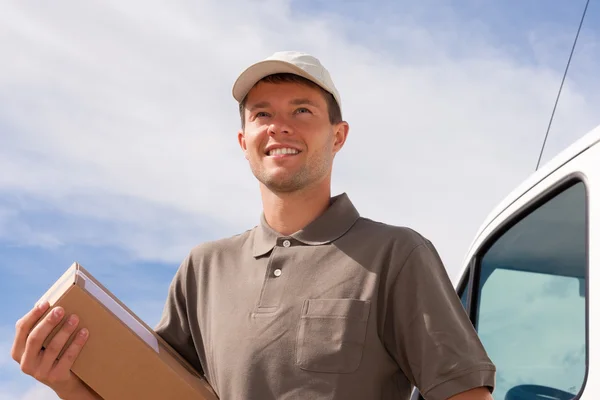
(316, 302)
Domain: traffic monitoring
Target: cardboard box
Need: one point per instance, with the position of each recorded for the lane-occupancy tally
(123, 357)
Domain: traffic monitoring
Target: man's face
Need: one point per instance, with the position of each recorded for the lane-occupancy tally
(288, 139)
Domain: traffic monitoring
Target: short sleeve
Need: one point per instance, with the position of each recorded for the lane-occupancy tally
(428, 332)
(174, 326)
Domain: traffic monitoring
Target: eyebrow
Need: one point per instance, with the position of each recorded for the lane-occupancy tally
(262, 104)
(296, 102)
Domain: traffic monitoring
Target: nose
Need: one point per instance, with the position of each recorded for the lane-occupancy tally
(279, 127)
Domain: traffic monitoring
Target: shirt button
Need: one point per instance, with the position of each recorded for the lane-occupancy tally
(286, 243)
(277, 272)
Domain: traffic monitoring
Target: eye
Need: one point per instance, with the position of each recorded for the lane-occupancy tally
(302, 110)
(261, 114)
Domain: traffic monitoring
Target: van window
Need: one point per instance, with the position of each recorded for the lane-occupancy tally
(530, 299)
(464, 287)
(464, 296)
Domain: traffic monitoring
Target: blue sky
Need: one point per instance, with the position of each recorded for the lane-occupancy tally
(117, 128)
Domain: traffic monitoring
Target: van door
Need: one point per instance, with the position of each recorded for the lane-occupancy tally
(526, 291)
(529, 298)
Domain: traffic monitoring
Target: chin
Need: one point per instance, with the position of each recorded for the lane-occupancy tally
(281, 180)
(283, 185)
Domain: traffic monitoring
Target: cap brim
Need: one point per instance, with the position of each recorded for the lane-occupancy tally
(256, 72)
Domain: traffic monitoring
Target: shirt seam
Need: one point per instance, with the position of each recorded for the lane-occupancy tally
(393, 282)
(410, 253)
(478, 368)
(406, 260)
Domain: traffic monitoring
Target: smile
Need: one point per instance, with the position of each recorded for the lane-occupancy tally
(282, 151)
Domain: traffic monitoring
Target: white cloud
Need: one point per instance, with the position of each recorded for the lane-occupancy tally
(5, 347)
(132, 101)
(35, 391)
(15, 230)
(39, 392)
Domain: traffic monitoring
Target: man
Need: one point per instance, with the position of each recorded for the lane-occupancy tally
(316, 302)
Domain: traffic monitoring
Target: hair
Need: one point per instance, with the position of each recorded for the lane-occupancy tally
(333, 108)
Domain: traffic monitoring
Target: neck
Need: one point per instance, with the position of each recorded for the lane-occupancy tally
(287, 213)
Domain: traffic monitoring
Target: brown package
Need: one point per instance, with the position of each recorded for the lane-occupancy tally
(123, 357)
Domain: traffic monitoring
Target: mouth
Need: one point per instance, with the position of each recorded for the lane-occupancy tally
(282, 151)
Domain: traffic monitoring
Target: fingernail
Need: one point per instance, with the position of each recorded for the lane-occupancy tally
(72, 320)
(58, 313)
(83, 333)
(41, 306)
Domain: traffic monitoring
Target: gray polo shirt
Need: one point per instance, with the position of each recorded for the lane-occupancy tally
(347, 308)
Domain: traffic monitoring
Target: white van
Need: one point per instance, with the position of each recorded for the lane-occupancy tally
(531, 281)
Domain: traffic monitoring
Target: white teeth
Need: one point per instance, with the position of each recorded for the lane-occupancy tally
(285, 150)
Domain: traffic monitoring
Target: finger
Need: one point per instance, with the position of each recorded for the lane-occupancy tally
(23, 328)
(57, 343)
(71, 353)
(38, 335)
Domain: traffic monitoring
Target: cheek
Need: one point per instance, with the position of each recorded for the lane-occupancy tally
(320, 140)
(255, 139)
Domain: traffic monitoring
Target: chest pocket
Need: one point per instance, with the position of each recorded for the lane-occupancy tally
(331, 335)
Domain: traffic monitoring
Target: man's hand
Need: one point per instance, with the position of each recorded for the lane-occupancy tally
(42, 364)
(480, 393)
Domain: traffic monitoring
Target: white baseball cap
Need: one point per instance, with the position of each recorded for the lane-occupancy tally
(293, 62)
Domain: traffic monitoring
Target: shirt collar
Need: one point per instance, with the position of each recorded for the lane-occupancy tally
(329, 226)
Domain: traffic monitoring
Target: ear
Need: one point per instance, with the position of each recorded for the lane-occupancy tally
(242, 142)
(340, 134)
